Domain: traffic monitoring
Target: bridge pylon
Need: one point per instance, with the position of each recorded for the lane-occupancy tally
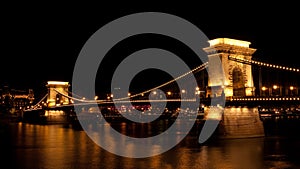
(54, 98)
(236, 78)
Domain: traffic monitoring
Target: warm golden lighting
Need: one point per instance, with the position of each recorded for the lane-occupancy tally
(214, 113)
(57, 83)
(275, 87)
(228, 41)
(263, 88)
(228, 92)
(96, 97)
(169, 93)
(292, 88)
(54, 112)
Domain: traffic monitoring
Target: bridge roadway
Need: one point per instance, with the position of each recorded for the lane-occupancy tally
(267, 106)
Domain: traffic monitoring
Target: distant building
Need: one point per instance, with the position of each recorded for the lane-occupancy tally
(14, 101)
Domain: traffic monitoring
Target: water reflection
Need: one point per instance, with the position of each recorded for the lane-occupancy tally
(57, 146)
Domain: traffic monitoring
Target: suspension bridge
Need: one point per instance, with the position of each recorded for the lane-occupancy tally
(244, 101)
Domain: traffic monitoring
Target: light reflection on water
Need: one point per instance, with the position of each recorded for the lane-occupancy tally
(57, 146)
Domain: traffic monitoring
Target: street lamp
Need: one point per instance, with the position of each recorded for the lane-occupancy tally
(291, 89)
(275, 87)
(264, 90)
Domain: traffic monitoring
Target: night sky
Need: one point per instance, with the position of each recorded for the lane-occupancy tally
(41, 42)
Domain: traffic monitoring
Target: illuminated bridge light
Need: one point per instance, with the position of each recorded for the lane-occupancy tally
(57, 83)
(228, 41)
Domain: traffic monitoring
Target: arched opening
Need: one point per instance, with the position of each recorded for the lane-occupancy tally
(238, 82)
(57, 99)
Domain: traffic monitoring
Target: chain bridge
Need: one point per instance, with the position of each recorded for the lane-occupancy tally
(246, 101)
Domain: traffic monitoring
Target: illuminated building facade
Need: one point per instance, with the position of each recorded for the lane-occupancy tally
(14, 101)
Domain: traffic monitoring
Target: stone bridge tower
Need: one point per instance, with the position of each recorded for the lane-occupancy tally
(236, 80)
(54, 98)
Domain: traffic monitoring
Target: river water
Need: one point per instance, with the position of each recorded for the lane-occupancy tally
(56, 146)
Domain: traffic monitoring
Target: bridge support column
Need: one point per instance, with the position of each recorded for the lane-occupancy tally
(240, 122)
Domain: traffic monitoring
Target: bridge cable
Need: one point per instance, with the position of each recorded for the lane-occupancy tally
(198, 68)
(40, 100)
(253, 62)
(201, 67)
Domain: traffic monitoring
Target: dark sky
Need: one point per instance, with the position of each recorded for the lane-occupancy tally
(41, 42)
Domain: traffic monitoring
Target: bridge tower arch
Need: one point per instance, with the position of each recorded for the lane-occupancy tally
(54, 98)
(236, 77)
